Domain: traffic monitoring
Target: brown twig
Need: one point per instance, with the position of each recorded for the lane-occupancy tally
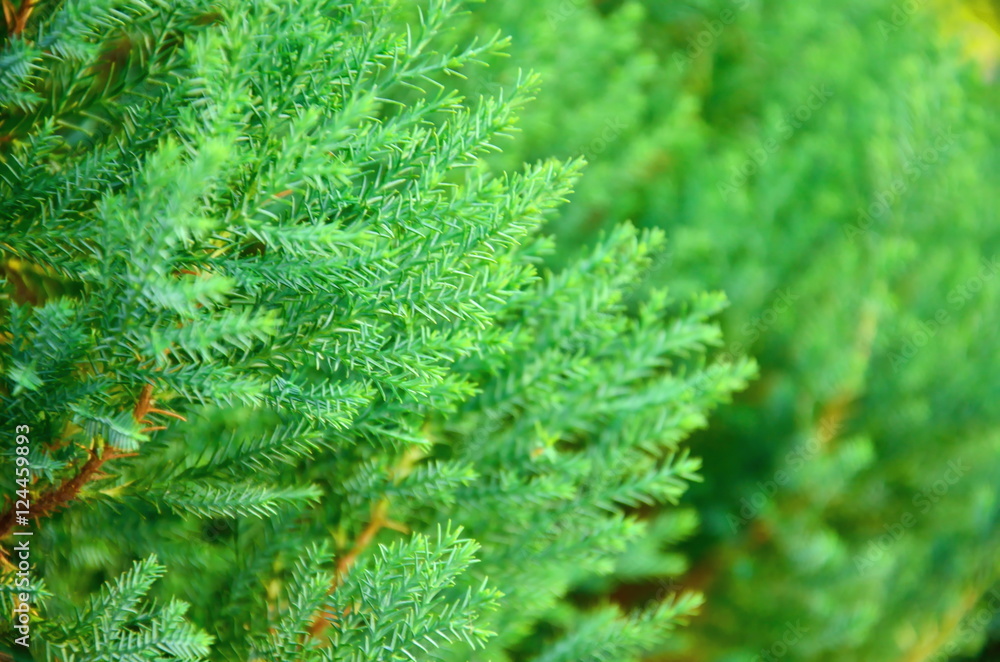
(144, 403)
(144, 407)
(346, 562)
(55, 499)
(69, 489)
(17, 19)
(374, 526)
(379, 520)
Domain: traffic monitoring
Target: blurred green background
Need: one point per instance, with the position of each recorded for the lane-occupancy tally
(833, 168)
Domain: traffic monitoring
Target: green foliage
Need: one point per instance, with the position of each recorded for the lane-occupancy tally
(269, 317)
(831, 169)
(117, 624)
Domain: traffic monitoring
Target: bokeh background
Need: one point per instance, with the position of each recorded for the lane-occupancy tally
(833, 168)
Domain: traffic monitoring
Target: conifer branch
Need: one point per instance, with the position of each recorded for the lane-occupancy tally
(66, 492)
(344, 564)
(379, 520)
(69, 489)
(285, 219)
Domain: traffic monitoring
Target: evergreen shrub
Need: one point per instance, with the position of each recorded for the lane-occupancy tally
(291, 380)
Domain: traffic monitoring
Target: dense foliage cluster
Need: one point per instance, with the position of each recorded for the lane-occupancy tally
(833, 168)
(294, 382)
